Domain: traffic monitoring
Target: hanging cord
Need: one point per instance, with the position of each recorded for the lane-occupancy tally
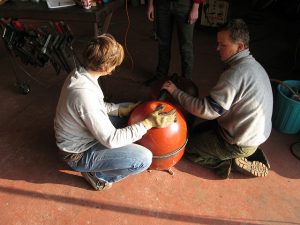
(25, 71)
(126, 34)
(75, 58)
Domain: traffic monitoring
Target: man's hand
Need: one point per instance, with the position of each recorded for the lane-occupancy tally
(126, 110)
(169, 86)
(160, 119)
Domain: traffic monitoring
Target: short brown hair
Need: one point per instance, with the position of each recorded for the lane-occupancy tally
(238, 30)
(103, 51)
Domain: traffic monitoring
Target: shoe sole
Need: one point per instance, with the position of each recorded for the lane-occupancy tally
(254, 168)
(99, 186)
(259, 156)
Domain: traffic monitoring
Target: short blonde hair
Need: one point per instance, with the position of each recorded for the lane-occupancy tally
(103, 51)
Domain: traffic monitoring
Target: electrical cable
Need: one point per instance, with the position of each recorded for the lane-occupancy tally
(126, 35)
(25, 71)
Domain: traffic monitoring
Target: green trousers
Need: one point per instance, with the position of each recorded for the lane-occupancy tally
(208, 148)
(167, 14)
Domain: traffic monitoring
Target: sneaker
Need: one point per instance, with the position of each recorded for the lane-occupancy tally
(96, 183)
(253, 168)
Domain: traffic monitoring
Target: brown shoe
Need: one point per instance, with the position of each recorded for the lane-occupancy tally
(259, 156)
(96, 183)
(252, 168)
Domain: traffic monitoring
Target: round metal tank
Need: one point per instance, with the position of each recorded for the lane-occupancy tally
(166, 144)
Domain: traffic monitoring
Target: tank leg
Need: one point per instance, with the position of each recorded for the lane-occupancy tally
(170, 171)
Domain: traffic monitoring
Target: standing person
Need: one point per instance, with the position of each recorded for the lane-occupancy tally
(240, 106)
(184, 14)
(91, 134)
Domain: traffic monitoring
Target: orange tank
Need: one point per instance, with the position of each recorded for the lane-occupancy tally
(166, 144)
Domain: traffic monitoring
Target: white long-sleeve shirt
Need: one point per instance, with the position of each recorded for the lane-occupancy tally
(82, 119)
(241, 101)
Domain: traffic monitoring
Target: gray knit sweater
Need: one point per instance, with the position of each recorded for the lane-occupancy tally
(241, 101)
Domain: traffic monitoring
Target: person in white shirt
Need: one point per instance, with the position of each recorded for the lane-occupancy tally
(91, 134)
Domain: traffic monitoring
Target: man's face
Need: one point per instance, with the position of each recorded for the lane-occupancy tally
(226, 46)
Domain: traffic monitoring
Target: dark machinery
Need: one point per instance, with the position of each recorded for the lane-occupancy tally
(37, 46)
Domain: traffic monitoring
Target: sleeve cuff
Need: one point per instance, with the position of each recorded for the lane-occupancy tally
(198, 1)
(113, 109)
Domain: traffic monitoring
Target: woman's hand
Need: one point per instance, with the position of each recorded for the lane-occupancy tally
(194, 13)
(150, 11)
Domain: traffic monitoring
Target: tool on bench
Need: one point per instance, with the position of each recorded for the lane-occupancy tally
(39, 46)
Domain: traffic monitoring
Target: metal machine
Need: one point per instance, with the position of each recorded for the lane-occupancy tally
(37, 46)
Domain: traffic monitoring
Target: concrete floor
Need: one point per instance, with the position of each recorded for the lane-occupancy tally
(36, 188)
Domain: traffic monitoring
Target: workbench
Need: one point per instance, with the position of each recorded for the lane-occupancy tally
(99, 16)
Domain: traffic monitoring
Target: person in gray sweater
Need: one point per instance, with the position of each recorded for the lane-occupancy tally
(238, 108)
(92, 135)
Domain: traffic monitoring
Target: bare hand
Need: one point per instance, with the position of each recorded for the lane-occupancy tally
(194, 13)
(169, 86)
(150, 11)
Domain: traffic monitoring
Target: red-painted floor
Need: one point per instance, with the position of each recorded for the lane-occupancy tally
(37, 189)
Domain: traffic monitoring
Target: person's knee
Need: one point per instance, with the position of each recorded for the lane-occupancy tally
(147, 157)
(143, 156)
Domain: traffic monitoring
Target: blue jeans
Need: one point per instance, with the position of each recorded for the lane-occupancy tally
(115, 164)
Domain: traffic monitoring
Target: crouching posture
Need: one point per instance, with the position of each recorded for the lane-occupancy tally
(238, 109)
(91, 134)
